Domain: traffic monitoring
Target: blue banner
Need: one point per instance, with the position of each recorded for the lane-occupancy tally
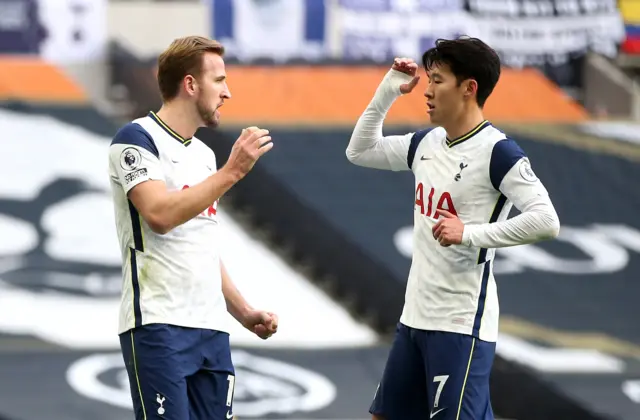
(21, 31)
(400, 5)
(274, 29)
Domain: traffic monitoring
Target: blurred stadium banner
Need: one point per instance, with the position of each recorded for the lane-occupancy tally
(547, 34)
(551, 35)
(279, 30)
(61, 31)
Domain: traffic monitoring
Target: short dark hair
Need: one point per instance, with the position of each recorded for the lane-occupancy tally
(468, 58)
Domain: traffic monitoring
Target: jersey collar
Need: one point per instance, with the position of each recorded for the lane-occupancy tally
(470, 134)
(168, 129)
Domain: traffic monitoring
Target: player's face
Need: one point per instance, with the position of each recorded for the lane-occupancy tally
(213, 89)
(445, 97)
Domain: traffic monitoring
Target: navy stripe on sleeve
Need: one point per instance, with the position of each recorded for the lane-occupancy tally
(505, 154)
(415, 142)
(135, 135)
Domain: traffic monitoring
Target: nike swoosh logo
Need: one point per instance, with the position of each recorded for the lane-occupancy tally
(435, 413)
(229, 415)
(425, 158)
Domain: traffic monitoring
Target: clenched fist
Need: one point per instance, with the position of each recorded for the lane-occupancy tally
(248, 148)
(407, 66)
(448, 230)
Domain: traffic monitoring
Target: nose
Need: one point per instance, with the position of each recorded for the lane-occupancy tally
(226, 93)
(428, 92)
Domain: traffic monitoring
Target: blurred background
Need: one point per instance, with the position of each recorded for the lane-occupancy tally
(321, 242)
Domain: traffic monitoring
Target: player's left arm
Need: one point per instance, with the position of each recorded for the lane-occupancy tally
(263, 324)
(511, 174)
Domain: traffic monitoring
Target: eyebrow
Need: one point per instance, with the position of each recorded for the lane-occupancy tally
(220, 78)
(434, 74)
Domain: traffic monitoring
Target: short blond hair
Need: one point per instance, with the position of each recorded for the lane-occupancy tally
(183, 57)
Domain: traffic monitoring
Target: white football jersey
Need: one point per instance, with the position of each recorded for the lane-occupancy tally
(172, 278)
(453, 288)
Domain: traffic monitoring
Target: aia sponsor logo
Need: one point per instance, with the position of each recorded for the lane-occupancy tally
(429, 205)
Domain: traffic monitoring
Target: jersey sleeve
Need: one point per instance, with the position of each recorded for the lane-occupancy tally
(134, 157)
(368, 146)
(389, 152)
(512, 175)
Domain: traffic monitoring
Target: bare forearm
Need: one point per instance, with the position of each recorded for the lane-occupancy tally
(237, 306)
(179, 207)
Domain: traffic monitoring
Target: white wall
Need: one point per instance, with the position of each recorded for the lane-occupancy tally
(145, 28)
(148, 27)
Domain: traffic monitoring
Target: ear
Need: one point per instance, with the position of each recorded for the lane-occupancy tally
(190, 84)
(470, 88)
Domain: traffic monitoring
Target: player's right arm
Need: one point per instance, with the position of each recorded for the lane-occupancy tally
(368, 146)
(143, 181)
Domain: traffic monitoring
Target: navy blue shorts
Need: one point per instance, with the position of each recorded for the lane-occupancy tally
(435, 375)
(178, 373)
